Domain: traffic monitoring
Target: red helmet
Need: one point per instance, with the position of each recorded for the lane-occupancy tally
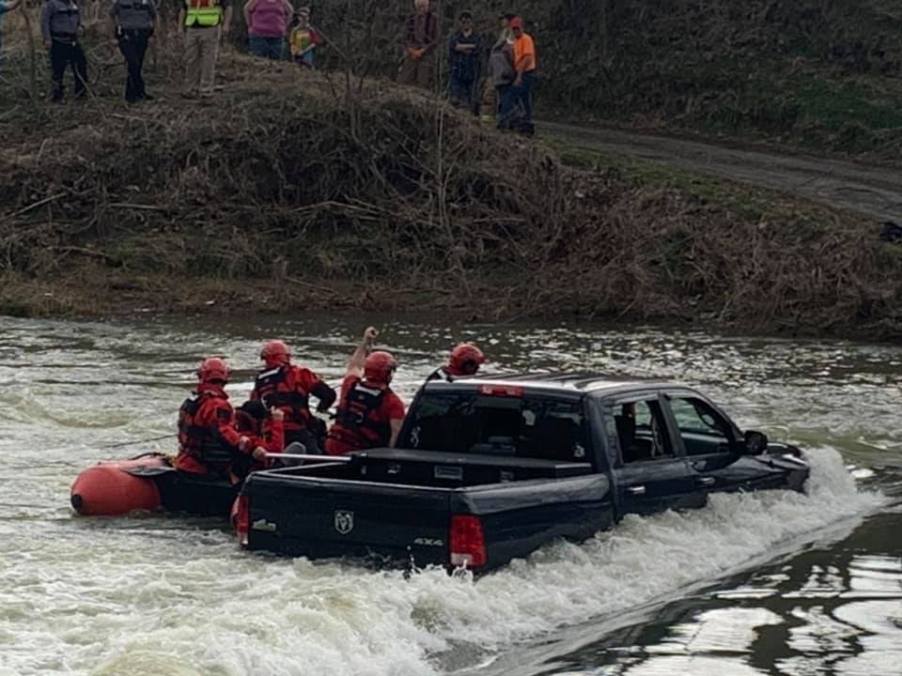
(465, 360)
(379, 368)
(275, 353)
(213, 370)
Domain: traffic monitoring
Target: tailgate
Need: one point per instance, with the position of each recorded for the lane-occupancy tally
(323, 518)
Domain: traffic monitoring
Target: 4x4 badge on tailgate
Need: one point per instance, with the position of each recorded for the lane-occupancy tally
(344, 521)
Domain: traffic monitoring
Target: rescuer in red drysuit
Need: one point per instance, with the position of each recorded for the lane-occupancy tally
(288, 388)
(208, 439)
(265, 431)
(465, 360)
(370, 414)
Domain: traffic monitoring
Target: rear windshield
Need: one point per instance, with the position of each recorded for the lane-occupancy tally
(528, 427)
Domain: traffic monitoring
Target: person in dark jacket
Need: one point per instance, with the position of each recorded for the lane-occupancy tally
(420, 40)
(133, 25)
(464, 60)
(60, 26)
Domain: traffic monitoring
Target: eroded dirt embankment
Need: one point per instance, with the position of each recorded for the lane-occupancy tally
(284, 193)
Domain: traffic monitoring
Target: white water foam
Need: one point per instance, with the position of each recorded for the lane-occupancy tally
(148, 598)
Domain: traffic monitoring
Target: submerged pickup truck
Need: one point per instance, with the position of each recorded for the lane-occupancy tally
(488, 469)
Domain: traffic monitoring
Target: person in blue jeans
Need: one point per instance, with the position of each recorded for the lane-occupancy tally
(516, 102)
(6, 6)
(267, 25)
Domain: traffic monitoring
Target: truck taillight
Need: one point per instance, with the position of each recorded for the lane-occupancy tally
(243, 519)
(467, 542)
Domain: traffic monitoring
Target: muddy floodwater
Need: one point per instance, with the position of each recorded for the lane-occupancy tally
(767, 583)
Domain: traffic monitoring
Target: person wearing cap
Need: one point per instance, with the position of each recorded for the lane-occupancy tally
(421, 38)
(267, 24)
(303, 40)
(516, 106)
(133, 25)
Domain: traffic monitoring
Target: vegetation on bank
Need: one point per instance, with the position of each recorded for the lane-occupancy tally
(294, 190)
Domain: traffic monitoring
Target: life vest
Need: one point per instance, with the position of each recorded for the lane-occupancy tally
(355, 422)
(198, 439)
(203, 13)
(276, 388)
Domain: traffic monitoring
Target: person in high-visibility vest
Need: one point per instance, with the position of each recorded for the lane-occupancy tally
(204, 23)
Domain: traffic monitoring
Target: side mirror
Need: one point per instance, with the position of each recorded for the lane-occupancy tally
(755, 443)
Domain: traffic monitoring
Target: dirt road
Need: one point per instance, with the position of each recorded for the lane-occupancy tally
(872, 191)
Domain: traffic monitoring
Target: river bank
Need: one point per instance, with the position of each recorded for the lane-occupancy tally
(290, 192)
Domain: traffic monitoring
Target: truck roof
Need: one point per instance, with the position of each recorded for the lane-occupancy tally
(579, 382)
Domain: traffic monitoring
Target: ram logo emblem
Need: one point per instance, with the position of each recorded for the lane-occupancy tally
(344, 521)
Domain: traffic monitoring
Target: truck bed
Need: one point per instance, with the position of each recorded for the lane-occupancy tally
(389, 505)
(441, 470)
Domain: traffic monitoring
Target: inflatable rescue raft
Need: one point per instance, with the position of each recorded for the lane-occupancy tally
(148, 483)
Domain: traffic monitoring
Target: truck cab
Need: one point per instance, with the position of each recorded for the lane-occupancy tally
(490, 468)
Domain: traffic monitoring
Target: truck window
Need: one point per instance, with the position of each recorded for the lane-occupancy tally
(527, 427)
(642, 431)
(703, 430)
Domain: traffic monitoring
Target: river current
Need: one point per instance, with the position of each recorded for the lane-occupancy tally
(769, 583)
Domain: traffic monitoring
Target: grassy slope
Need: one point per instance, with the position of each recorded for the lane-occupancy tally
(825, 74)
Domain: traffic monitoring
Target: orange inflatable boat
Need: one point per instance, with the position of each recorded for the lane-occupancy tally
(147, 483)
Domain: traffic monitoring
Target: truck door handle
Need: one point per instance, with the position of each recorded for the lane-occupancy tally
(636, 490)
(706, 480)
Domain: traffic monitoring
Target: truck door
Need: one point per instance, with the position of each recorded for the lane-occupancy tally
(650, 472)
(714, 448)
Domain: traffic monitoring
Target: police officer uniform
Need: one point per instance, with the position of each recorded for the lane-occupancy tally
(60, 23)
(134, 21)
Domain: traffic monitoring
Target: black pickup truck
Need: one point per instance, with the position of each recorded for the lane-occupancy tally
(488, 469)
